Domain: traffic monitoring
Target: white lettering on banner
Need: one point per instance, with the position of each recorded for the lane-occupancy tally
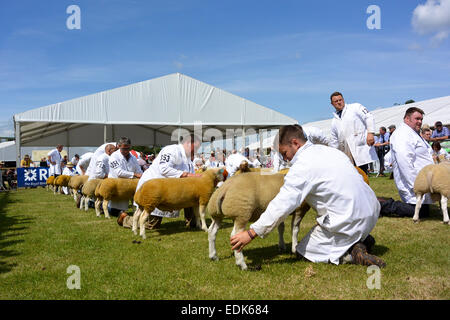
(43, 174)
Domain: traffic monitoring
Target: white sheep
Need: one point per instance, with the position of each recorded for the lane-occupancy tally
(433, 179)
(168, 194)
(88, 192)
(244, 198)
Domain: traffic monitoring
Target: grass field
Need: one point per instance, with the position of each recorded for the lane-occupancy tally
(42, 234)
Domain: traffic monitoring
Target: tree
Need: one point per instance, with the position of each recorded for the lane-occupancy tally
(409, 101)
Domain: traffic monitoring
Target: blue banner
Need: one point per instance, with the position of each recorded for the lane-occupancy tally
(32, 177)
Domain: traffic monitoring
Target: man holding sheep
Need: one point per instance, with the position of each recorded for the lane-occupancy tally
(346, 206)
(174, 161)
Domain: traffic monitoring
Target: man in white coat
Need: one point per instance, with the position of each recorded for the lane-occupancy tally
(346, 206)
(173, 161)
(83, 163)
(409, 154)
(352, 131)
(55, 158)
(68, 171)
(122, 164)
(233, 162)
(101, 169)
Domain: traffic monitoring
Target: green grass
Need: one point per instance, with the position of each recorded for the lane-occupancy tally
(42, 234)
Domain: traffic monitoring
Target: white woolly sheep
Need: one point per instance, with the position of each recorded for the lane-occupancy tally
(170, 194)
(433, 179)
(243, 198)
(76, 183)
(116, 189)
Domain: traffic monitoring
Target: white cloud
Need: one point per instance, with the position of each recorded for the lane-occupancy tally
(433, 17)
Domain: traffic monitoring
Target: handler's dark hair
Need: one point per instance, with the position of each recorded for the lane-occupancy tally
(124, 140)
(335, 94)
(411, 110)
(287, 133)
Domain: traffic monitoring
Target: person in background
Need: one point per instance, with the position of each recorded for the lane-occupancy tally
(439, 153)
(26, 161)
(382, 147)
(55, 159)
(440, 132)
(426, 134)
(68, 171)
(75, 159)
(353, 131)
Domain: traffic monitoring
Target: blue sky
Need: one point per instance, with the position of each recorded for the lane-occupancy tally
(286, 55)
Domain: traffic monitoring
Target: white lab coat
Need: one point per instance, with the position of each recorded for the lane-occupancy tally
(120, 167)
(315, 136)
(56, 157)
(278, 162)
(351, 129)
(97, 153)
(101, 169)
(409, 153)
(84, 162)
(233, 162)
(347, 208)
(171, 162)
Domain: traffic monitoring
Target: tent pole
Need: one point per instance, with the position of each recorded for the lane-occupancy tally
(104, 134)
(17, 137)
(243, 140)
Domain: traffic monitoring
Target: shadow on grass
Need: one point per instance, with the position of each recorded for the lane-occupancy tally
(173, 227)
(9, 223)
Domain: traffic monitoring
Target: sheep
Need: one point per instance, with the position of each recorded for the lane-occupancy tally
(88, 191)
(243, 198)
(433, 179)
(116, 189)
(233, 202)
(76, 183)
(170, 194)
(61, 181)
(49, 182)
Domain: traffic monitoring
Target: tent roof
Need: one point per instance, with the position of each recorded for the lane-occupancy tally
(437, 109)
(8, 151)
(153, 107)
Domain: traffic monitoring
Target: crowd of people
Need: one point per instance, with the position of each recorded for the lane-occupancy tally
(347, 207)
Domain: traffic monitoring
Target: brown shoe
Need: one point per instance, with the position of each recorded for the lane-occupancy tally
(122, 216)
(360, 256)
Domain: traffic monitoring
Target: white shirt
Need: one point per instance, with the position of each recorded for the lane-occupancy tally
(347, 208)
(351, 129)
(100, 150)
(171, 162)
(68, 172)
(84, 162)
(120, 167)
(233, 162)
(409, 153)
(55, 157)
(101, 169)
(213, 163)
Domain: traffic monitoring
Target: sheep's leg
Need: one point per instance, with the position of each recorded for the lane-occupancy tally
(212, 233)
(142, 219)
(136, 216)
(105, 208)
(295, 227)
(419, 198)
(82, 201)
(281, 244)
(204, 227)
(444, 201)
(240, 261)
(98, 203)
(86, 203)
(74, 195)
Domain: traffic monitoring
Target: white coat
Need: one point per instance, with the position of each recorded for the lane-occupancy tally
(98, 152)
(56, 157)
(347, 208)
(352, 128)
(233, 162)
(171, 162)
(101, 169)
(67, 172)
(84, 162)
(315, 136)
(409, 153)
(120, 167)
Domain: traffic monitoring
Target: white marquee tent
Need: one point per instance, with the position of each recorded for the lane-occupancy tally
(8, 151)
(150, 113)
(435, 110)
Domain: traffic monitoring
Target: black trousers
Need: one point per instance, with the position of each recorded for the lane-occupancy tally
(380, 154)
(394, 208)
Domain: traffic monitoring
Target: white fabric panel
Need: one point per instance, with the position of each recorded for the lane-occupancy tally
(8, 151)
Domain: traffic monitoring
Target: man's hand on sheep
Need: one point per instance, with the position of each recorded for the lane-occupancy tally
(241, 239)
